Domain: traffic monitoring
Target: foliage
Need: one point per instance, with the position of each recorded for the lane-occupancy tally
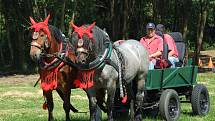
(121, 19)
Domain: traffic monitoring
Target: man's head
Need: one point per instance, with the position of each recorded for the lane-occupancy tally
(160, 27)
(150, 28)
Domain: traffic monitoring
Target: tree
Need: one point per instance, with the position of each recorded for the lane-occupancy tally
(186, 13)
(202, 17)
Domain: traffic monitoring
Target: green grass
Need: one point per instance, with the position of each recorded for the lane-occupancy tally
(23, 102)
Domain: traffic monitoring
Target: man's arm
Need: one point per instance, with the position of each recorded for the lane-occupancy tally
(171, 53)
(155, 55)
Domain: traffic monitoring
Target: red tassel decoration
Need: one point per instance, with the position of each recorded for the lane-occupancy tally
(124, 99)
(45, 106)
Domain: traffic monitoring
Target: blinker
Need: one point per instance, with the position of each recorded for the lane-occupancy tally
(35, 35)
(80, 42)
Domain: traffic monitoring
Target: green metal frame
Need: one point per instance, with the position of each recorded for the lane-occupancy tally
(171, 77)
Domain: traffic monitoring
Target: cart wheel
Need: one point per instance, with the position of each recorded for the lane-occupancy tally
(169, 105)
(200, 100)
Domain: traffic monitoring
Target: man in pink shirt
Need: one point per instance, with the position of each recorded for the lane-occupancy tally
(172, 49)
(153, 43)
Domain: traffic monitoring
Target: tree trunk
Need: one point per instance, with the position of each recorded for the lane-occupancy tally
(2, 40)
(200, 29)
(162, 10)
(176, 17)
(112, 16)
(154, 5)
(16, 13)
(125, 20)
(36, 9)
(9, 30)
(62, 27)
(1, 57)
(186, 6)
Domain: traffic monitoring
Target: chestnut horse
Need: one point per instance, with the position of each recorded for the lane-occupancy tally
(54, 74)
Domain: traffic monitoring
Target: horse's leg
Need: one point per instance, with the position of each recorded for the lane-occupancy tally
(49, 98)
(111, 89)
(62, 97)
(100, 96)
(91, 94)
(66, 103)
(131, 93)
(139, 96)
(132, 110)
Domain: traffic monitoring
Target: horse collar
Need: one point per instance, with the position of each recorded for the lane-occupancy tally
(99, 61)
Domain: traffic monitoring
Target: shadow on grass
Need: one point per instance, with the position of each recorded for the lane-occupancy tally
(152, 114)
(188, 113)
(73, 119)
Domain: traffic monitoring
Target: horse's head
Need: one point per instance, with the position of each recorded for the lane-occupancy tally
(41, 37)
(83, 42)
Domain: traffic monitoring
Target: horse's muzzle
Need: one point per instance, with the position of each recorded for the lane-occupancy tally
(35, 56)
(82, 55)
(82, 58)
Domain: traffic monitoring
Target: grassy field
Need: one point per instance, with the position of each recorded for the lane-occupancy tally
(20, 101)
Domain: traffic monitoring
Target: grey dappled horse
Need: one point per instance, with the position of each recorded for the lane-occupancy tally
(94, 51)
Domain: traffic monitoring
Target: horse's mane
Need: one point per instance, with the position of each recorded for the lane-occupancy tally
(56, 33)
(100, 37)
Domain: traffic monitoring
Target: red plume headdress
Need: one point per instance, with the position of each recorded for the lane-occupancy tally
(41, 26)
(83, 30)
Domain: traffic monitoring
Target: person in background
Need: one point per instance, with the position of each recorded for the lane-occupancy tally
(172, 49)
(153, 43)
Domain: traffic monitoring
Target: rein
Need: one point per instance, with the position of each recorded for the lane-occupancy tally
(56, 61)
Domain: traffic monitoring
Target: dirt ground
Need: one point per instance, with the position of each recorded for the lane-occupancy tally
(19, 79)
(31, 79)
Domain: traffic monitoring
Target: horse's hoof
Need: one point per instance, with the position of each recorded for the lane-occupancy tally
(51, 119)
(75, 110)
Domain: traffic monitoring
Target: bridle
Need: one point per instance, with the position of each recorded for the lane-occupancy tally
(46, 42)
(44, 55)
(35, 44)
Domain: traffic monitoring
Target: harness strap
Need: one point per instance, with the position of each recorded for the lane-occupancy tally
(54, 63)
(35, 44)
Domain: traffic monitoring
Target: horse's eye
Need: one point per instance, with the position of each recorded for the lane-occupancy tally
(44, 37)
(35, 35)
(74, 38)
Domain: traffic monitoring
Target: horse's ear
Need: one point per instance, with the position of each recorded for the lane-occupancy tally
(73, 25)
(32, 21)
(91, 26)
(46, 21)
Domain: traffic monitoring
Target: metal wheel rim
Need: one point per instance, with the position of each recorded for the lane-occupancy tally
(173, 108)
(204, 103)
